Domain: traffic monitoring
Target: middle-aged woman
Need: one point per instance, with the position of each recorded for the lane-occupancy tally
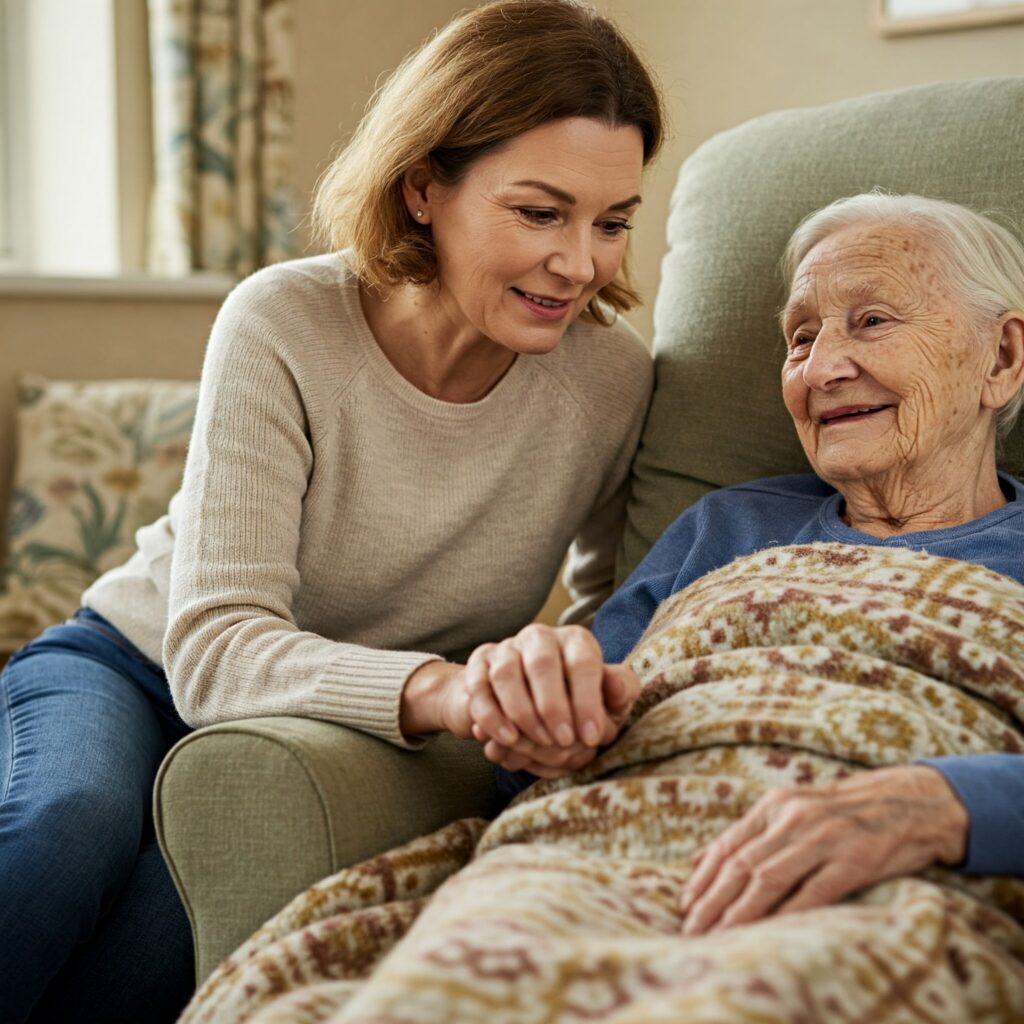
(904, 330)
(394, 446)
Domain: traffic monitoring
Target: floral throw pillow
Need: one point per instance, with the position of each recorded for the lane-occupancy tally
(95, 461)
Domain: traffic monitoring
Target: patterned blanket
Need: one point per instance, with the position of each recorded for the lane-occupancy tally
(794, 666)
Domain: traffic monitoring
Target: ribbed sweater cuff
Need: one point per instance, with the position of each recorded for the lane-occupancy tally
(365, 692)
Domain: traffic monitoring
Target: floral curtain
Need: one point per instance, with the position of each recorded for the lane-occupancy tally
(222, 83)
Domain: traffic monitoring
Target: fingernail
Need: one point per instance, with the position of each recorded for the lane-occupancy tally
(507, 735)
(565, 736)
(591, 734)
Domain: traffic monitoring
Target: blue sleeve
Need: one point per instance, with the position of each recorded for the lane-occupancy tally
(991, 787)
(624, 616)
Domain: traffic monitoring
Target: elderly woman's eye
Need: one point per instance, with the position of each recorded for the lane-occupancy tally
(874, 320)
(802, 339)
(535, 216)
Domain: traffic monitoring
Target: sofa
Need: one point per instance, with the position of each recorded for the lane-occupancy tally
(248, 813)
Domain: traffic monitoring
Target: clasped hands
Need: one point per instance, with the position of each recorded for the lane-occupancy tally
(543, 700)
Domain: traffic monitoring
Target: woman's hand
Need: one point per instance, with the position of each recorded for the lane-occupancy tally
(544, 700)
(810, 846)
(435, 698)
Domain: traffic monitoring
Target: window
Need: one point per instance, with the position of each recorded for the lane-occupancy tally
(906, 17)
(7, 141)
(59, 211)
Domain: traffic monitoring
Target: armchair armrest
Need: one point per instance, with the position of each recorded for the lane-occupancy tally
(250, 813)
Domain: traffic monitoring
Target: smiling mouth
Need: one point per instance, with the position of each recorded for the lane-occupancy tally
(541, 300)
(851, 412)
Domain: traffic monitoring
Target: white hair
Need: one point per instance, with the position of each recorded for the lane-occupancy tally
(986, 260)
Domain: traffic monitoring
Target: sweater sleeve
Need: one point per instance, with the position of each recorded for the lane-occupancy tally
(589, 574)
(232, 647)
(991, 788)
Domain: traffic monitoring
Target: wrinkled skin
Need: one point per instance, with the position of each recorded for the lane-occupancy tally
(811, 846)
(874, 321)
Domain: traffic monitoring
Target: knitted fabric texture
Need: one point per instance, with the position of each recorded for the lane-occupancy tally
(793, 666)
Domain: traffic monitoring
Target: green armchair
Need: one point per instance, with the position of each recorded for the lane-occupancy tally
(251, 812)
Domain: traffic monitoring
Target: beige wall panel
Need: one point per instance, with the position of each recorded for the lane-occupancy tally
(724, 61)
(344, 49)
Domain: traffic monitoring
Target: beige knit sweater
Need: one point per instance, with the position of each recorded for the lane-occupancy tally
(337, 528)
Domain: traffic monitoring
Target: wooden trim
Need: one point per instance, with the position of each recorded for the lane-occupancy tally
(126, 286)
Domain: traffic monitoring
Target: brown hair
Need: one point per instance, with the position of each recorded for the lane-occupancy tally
(493, 73)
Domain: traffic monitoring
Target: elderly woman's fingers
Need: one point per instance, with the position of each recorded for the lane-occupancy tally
(711, 859)
(544, 762)
(550, 757)
(621, 687)
(510, 760)
(580, 756)
(748, 883)
(804, 847)
(824, 887)
(514, 694)
(771, 881)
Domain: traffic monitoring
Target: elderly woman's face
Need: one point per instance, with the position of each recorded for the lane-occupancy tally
(535, 229)
(884, 368)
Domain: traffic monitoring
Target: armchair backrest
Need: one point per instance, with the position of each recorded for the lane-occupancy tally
(717, 416)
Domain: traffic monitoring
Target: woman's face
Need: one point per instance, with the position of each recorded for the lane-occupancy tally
(534, 230)
(885, 368)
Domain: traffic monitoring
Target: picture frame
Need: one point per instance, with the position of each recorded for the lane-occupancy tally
(912, 17)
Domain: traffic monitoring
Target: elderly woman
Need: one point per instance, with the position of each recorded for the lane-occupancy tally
(395, 444)
(904, 333)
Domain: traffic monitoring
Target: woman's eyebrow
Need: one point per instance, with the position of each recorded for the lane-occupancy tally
(568, 198)
(626, 203)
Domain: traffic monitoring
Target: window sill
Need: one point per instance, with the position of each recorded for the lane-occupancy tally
(124, 286)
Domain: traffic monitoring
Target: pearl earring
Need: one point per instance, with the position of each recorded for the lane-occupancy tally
(419, 213)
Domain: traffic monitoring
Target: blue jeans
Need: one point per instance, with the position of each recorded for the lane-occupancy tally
(91, 926)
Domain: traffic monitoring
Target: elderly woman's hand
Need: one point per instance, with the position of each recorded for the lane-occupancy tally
(810, 846)
(544, 700)
(550, 762)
